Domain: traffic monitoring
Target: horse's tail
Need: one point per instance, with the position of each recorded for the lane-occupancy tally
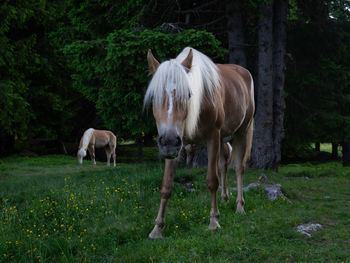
(249, 141)
(249, 138)
(229, 159)
(84, 142)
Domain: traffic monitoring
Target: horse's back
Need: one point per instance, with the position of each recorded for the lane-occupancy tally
(238, 97)
(238, 77)
(104, 137)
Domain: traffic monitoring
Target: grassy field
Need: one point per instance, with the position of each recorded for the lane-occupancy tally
(52, 210)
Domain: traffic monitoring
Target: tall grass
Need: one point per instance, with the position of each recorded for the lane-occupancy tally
(52, 210)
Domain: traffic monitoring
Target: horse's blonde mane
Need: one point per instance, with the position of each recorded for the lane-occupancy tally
(84, 143)
(202, 78)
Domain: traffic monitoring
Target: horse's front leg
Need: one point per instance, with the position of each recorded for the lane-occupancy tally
(212, 179)
(92, 154)
(109, 154)
(167, 188)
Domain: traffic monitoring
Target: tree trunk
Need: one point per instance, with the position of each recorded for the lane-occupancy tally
(200, 159)
(317, 146)
(346, 153)
(235, 33)
(334, 150)
(63, 147)
(182, 157)
(279, 53)
(262, 155)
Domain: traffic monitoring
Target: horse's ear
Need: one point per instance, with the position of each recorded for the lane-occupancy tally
(187, 63)
(153, 64)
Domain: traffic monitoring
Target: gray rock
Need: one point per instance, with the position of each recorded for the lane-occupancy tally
(250, 186)
(188, 186)
(247, 188)
(273, 191)
(186, 183)
(308, 229)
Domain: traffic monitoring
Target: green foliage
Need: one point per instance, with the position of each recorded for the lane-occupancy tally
(35, 86)
(113, 72)
(63, 62)
(91, 20)
(13, 56)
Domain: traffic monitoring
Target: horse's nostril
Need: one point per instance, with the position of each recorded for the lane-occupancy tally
(178, 141)
(161, 140)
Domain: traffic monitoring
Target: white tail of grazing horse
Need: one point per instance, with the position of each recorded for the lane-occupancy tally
(97, 139)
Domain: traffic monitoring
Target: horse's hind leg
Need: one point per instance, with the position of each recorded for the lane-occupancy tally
(92, 154)
(112, 149)
(223, 163)
(241, 149)
(108, 153)
(167, 188)
(114, 157)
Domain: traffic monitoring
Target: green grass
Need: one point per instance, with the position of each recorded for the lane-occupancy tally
(52, 210)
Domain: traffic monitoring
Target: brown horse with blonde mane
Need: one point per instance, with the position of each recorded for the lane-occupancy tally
(197, 101)
(97, 139)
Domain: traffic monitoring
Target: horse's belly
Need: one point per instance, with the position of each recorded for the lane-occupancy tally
(101, 143)
(230, 127)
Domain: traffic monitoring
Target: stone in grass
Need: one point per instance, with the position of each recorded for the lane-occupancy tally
(273, 191)
(247, 188)
(308, 229)
(186, 183)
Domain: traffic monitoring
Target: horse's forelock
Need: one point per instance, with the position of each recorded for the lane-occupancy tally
(169, 76)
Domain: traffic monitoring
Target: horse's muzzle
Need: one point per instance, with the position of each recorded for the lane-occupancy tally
(169, 146)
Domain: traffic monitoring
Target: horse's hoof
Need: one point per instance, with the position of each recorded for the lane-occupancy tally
(224, 198)
(240, 210)
(214, 224)
(155, 234)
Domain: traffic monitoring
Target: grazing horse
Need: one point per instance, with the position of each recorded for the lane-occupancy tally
(97, 139)
(197, 101)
